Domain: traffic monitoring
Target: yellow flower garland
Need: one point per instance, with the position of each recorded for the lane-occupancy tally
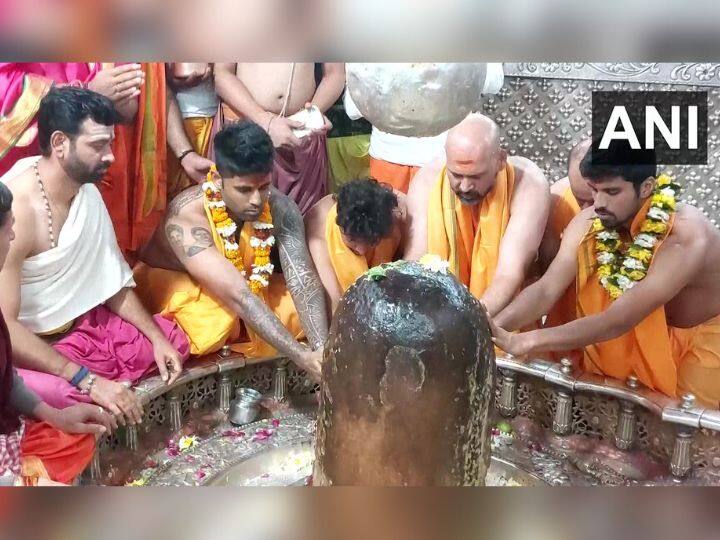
(262, 240)
(619, 272)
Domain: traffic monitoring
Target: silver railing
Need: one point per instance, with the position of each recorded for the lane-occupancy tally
(222, 365)
(684, 414)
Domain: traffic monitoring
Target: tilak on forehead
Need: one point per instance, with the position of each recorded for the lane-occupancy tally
(472, 141)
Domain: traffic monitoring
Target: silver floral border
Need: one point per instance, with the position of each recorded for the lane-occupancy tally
(693, 73)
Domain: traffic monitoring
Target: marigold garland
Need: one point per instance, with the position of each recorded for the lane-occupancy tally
(261, 242)
(619, 272)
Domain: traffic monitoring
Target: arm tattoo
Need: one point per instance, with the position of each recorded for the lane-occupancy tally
(262, 320)
(203, 240)
(183, 199)
(174, 234)
(301, 276)
(176, 237)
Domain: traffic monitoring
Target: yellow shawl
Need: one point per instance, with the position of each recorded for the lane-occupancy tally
(347, 265)
(469, 237)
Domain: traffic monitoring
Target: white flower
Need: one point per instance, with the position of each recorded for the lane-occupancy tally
(624, 282)
(658, 214)
(210, 186)
(264, 269)
(256, 242)
(231, 246)
(261, 225)
(645, 240)
(216, 204)
(604, 236)
(228, 230)
(604, 281)
(434, 263)
(633, 264)
(667, 191)
(186, 442)
(261, 279)
(605, 257)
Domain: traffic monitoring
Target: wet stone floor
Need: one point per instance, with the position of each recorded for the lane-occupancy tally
(278, 451)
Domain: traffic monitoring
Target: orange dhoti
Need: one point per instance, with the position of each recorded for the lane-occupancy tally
(696, 352)
(396, 175)
(207, 323)
(198, 132)
(46, 452)
(135, 187)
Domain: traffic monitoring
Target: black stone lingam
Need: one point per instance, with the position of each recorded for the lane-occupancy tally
(408, 379)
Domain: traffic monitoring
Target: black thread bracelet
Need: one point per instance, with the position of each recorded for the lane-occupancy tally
(185, 153)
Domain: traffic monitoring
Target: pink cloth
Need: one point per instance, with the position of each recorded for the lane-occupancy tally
(109, 347)
(12, 77)
(302, 174)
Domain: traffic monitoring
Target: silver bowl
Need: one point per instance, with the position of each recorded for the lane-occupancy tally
(245, 408)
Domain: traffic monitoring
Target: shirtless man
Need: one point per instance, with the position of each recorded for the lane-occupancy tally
(187, 272)
(267, 94)
(664, 327)
(77, 328)
(569, 196)
(481, 210)
(357, 229)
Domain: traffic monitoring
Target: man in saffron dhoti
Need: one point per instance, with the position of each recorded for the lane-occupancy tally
(212, 265)
(481, 211)
(648, 289)
(192, 85)
(271, 95)
(78, 329)
(357, 229)
(37, 444)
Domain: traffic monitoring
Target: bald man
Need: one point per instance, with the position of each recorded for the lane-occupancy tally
(568, 196)
(482, 211)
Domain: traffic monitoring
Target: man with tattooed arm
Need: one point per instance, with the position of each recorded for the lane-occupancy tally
(212, 265)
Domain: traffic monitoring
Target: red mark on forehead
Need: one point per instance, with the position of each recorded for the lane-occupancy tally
(463, 167)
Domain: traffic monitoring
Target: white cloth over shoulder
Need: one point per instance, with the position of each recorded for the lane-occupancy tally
(84, 269)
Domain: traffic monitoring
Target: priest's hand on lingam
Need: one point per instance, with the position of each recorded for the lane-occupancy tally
(514, 344)
(311, 362)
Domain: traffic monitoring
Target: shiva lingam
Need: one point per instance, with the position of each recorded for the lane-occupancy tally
(407, 383)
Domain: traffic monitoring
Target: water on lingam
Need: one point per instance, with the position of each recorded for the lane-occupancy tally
(408, 379)
(408, 376)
